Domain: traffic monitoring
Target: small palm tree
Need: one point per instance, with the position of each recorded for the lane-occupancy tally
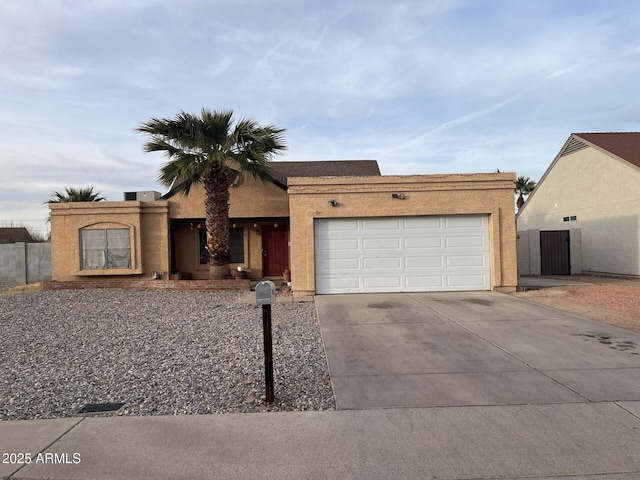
(210, 150)
(75, 195)
(524, 186)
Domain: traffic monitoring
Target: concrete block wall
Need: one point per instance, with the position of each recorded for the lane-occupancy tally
(24, 263)
(528, 246)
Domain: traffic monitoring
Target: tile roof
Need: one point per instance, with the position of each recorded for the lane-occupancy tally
(625, 145)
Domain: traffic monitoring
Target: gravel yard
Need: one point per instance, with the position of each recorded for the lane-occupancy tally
(161, 353)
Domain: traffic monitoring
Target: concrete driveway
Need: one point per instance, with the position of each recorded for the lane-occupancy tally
(472, 348)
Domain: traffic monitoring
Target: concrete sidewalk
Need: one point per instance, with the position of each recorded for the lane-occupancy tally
(518, 441)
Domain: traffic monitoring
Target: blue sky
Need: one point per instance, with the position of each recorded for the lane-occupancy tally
(421, 86)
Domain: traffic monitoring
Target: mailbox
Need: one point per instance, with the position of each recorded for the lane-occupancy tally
(266, 293)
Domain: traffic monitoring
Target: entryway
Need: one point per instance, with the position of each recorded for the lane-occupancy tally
(274, 250)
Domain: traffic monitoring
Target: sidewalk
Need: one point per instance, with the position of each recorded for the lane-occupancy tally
(517, 441)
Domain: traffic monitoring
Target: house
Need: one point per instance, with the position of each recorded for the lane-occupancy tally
(339, 226)
(14, 235)
(584, 214)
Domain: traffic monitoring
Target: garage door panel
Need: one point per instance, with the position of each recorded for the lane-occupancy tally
(423, 242)
(466, 261)
(339, 264)
(382, 284)
(343, 282)
(422, 223)
(465, 221)
(373, 263)
(423, 262)
(467, 282)
(409, 254)
(345, 225)
(465, 241)
(431, 282)
(381, 243)
(338, 245)
(384, 224)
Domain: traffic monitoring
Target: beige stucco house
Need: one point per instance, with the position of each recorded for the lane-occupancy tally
(584, 214)
(338, 226)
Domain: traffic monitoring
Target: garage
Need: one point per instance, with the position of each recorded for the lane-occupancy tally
(402, 254)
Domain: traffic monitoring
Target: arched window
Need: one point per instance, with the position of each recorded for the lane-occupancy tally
(108, 248)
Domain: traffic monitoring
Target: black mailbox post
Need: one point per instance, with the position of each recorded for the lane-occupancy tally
(266, 296)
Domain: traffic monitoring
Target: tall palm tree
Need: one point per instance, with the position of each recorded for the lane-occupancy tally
(75, 195)
(210, 150)
(524, 186)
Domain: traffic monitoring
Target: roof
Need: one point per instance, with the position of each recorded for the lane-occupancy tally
(324, 168)
(14, 234)
(625, 145)
(321, 168)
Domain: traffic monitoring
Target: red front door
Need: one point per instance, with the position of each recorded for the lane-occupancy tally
(275, 251)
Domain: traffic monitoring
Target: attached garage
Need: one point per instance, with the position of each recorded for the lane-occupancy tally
(402, 254)
(402, 233)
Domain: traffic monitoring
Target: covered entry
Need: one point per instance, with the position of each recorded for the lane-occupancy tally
(402, 254)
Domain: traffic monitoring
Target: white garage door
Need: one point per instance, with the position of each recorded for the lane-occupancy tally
(402, 254)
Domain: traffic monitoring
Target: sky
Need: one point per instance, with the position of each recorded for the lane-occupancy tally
(423, 87)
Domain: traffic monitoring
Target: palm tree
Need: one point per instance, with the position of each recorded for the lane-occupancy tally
(75, 195)
(524, 186)
(210, 150)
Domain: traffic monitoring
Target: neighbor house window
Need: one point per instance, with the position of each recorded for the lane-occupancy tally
(236, 242)
(105, 249)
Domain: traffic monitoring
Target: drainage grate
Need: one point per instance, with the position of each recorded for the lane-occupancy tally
(101, 408)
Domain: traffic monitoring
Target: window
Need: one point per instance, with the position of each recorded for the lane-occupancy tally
(204, 253)
(236, 242)
(105, 249)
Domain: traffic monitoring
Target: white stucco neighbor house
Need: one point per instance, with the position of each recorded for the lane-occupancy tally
(584, 214)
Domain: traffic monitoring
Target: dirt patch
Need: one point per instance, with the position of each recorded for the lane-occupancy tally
(612, 301)
(6, 288)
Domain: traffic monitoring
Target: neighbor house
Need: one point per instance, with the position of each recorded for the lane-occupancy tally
(14, 235)
(338, 226)
(584, 214)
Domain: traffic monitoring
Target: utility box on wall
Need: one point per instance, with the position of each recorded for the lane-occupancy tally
(148, 196)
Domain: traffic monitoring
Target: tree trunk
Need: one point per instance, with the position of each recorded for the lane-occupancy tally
(216, 186)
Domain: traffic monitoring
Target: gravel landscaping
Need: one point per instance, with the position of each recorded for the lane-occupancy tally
(161, 353)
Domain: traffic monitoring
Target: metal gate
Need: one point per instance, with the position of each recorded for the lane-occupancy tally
(554, 253)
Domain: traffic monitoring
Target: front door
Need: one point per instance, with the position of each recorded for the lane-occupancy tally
(275, 251)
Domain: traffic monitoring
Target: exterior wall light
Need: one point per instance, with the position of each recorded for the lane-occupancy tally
(333, 202)
(399, 196)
